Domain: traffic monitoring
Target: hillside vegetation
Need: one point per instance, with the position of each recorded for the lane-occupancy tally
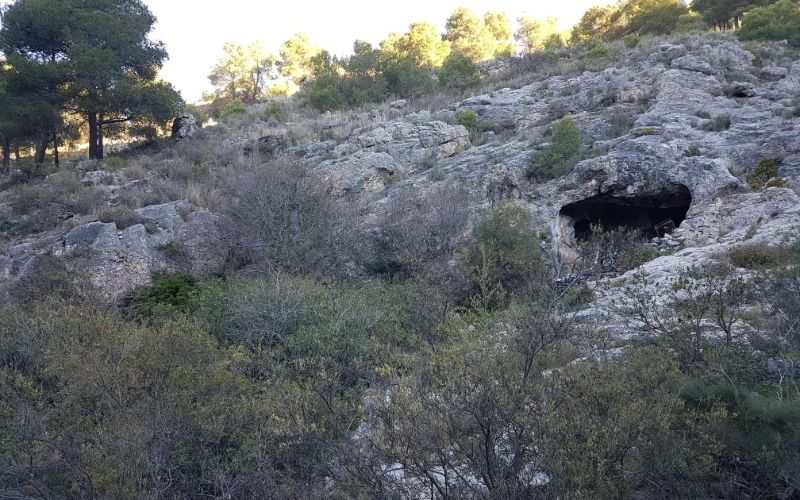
(378, 277)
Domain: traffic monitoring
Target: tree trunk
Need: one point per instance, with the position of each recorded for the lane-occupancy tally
(92, 136)
(55, 150)
(100, 152)
(41, 148)
(16, 152)
(6, 158)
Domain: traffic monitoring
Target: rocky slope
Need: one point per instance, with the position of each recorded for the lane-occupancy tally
(676, 130)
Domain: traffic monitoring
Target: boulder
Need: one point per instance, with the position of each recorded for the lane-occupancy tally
(773, 73)
(184, 126)
(740, 89)
(398, 104)
(96, 178)
(118, 260)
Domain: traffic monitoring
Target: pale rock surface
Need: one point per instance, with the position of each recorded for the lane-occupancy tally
(184, 126)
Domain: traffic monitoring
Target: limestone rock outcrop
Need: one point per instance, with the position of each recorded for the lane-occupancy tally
(676, 126)
(172, 237)
(184, 126)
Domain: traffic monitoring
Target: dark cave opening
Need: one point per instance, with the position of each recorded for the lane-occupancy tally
(653, 215)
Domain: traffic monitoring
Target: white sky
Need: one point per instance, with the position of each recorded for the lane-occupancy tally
(194, 31)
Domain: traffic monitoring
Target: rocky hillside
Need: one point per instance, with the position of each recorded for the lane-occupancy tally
(579, 282)
(673, 131)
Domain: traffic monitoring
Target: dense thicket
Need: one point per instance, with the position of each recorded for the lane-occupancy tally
(456, 384)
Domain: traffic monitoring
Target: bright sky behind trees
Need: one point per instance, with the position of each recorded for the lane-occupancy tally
(195, 31)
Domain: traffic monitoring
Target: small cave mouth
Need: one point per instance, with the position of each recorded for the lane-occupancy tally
(653, 214)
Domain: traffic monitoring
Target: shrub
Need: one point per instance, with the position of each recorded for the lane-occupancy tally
(766, 170)
(780, 21)
(690, 22)
(273, 111)
(561, 155)
(405, 77)
(172, 249)
(693, 150)
(325, 98)
(618, 123)
(468, 119)
(595, 49)
(783, 295)
(26, 198)
(282, 217)
(421, 233)
(757, 256)
(615, 250)
(168, 293)
(121, 216)
(631, 41)
(232, 109)
(645, 131)
(504, 255)
(458, 71)
(53, 278)
(722, 122)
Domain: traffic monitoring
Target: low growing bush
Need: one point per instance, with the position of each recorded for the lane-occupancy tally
(468, 119)
(756, 256)
(168, 293)
(766, 170)
(233, 109)
(122, 216)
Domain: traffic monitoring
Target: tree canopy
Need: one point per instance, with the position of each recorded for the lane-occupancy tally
(479, 38)
(725, 14)
(243, 71)
(780, 21)
(90, 58)
(535, 34)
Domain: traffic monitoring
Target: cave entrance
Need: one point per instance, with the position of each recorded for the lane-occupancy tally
(654, 214)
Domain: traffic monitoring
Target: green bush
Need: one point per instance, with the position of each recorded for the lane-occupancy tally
(561, 155)
(722, 122)
(169, 293)
(172, 249)
(693, 150)
(595, 49)
(758, 256)
(645, 131)
(405, 77)
(232, 109)
(504, 255)
(458, 71)
(766, 170)
(325, 98)
(657, 18)
(469, 120)
(273, 111)
(122, 216)
(690, 22)
(631, 41)
(780, 21)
